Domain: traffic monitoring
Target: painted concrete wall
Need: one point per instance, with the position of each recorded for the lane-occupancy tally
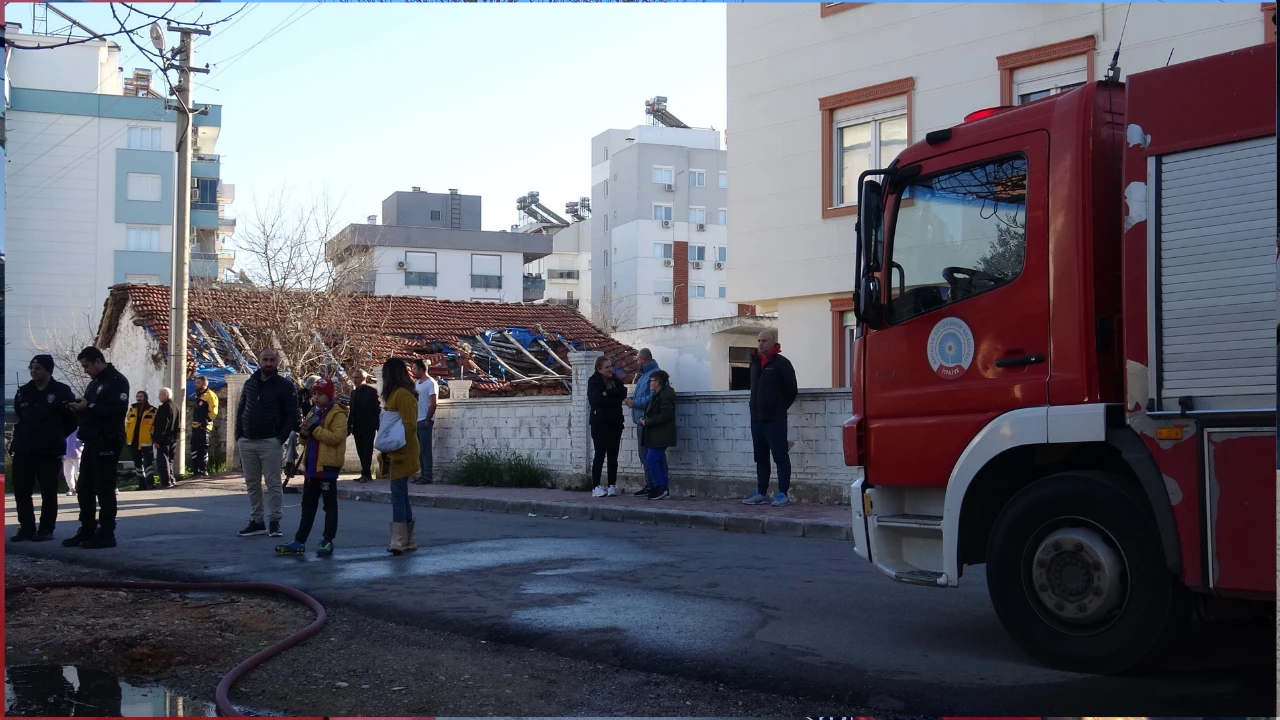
(88, 67)
(783, 57)
(413, 209)
(696, 354)
(453, 276)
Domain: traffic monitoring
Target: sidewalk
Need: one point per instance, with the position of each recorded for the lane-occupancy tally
(828, 522)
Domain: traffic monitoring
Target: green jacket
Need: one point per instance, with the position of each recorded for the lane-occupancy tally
(660, 419)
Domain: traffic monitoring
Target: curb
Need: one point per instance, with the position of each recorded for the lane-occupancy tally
(725, 522)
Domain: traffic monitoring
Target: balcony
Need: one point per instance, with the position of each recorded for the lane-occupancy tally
(567, 302)
(226, 226)
(534, 284)
(570, 275)
(486, 282)
(419, 279)
(210, 265)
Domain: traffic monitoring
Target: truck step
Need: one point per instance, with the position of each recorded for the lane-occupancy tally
(925, 522)
(918, 577)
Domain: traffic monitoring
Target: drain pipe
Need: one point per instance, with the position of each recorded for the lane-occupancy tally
(225, 708)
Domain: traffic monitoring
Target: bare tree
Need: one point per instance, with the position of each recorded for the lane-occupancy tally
(303, 297)
(63, 342)
(613, 312)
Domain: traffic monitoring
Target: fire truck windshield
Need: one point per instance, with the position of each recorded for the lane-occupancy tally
(956, 234)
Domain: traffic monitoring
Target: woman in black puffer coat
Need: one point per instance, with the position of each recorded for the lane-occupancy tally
(605, 393)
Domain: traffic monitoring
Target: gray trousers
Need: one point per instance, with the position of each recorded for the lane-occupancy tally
(424, 449)
(262, 459)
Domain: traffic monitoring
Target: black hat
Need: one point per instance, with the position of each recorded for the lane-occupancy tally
(44, 361)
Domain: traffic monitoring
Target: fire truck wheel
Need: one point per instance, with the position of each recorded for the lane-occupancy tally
(1077, 575)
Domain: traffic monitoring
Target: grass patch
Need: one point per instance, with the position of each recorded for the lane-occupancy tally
(580, 483)
(483, 468)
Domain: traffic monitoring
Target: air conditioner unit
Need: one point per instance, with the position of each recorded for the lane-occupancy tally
(719, 266)
(669, 263)
(702, 228)
(666, 223)
(401, 265)
(671, 187)
(697, 265)
(666, 299)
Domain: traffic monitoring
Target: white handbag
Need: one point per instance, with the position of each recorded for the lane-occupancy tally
(390, 432)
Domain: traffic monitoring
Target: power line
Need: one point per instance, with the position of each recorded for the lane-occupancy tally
(280, 28)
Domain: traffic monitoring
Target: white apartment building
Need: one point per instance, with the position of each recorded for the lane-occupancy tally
(90, 194)
(431, 245)
(659, 246)
(566, 272)
(819, 92)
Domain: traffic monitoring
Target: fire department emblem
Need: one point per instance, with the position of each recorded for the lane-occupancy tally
(950, 348)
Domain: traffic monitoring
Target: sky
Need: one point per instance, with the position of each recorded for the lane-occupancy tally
(361, 100)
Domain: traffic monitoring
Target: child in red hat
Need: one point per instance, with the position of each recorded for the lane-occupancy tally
(324, 431)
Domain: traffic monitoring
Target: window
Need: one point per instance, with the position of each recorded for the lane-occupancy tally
(435, 214)
(662, 212)
(207, 191)
(697, 253)
(663, 286)
(606, 152)
(142, 279)
(864, 129)
(144, 138)
(724, 179)
(606, 223)
(662, 320)
(697, 216)
(663, 175)
(865, 145)
(1028, 75)
(722, 254)
(420, 269)
(662, 251)
(724, 216)
(606, 187)
(486, 271)
(606, 258)
(144, 187)
(697, 291)
(697, 178)
(963, 234)
(142, 239)
(723, 292)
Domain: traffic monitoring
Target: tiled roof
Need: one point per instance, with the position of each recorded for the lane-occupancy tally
(387, 326)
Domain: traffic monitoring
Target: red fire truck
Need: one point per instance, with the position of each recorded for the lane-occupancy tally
(1064, 366)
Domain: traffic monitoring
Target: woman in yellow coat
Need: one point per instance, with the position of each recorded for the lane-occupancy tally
(324, 438)
(398, 396)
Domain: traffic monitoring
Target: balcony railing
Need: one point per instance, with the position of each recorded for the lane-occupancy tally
(569, 302)
(533, 284)
(419, 279)
(486, 282)
(562, 274)
(201, 157)
(198, 206)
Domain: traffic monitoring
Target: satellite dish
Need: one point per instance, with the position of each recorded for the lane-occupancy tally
(157, 36)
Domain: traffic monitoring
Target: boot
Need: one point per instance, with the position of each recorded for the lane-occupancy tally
(411, 542)
(399, 533)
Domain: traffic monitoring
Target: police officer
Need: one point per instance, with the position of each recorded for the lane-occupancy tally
(101, 413)
(39, 441)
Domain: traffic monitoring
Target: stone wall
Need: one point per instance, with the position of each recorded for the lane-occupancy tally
(713, 458)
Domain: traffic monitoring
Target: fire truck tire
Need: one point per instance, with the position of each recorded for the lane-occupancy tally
(1077, 574)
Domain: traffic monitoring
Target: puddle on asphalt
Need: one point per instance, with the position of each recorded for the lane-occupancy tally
(70, 691)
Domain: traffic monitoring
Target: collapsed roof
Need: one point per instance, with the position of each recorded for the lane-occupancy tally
(504, 349)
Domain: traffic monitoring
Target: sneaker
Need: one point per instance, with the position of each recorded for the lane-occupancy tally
(43, 536)
(253, 528)
(325, 549)
(100, 540)
(22, 536)
(293, 548)
(275, 529)
(79, 537)
(71, 493)
(598, 492)
(756, 499)
(659, 494)
(643, 492)
(781, 500)
(613, 491)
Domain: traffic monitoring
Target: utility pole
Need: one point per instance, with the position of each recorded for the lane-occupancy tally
(180, 281)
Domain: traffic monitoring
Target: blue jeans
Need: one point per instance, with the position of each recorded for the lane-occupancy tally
(766, 438)
(401, 510)
(424, 448)
(657, 462)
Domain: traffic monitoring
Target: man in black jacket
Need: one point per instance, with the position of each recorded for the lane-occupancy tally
(164, 438)
(101, 413)
(265, 416)
(363, 421)
(773, 390)
(39, 441)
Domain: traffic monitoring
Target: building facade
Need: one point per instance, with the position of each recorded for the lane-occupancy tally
(819, 92)
(566, 272)
(90, 175)
(659, 246)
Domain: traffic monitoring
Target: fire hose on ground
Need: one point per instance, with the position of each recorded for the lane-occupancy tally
(223, 703)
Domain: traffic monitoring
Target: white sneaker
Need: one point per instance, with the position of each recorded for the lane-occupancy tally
(598, 492)
(613, 491)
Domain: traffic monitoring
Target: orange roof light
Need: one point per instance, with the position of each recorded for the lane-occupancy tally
(981, 114)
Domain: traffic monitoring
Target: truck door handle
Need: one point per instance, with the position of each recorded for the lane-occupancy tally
(1019, 361)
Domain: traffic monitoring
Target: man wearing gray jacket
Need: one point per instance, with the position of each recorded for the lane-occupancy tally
(638, 403)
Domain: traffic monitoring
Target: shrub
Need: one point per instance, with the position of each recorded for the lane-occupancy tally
(476, 468)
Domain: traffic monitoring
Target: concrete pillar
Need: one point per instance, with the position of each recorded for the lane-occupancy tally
(583, 364)
(459, 389)
(235, 385)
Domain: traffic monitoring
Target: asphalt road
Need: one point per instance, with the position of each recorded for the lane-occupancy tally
(787, 615)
